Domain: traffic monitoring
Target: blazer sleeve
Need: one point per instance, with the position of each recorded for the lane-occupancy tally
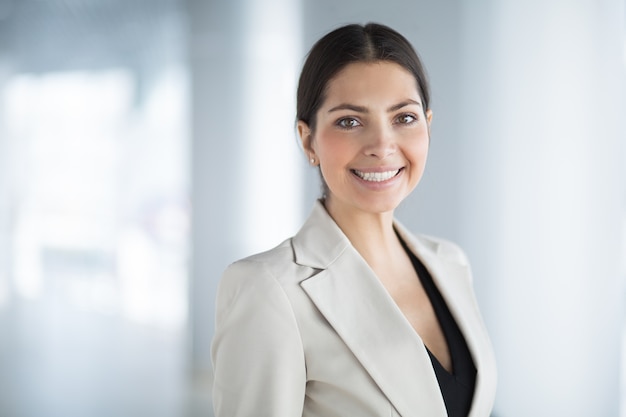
(257, 353)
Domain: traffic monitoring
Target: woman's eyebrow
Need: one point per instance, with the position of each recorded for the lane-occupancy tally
(346, 106)
(363, 109)
(404, 104)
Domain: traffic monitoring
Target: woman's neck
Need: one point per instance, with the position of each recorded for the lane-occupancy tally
(371, 234)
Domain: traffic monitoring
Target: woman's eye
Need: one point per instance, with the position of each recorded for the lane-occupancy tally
(406, 119)
(348, 123)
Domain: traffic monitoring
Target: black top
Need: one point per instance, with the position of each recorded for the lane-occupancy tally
(457, 388)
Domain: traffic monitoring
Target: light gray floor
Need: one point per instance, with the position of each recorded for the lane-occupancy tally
(58, 361)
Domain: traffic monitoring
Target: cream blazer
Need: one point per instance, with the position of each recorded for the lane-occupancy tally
(307, 329)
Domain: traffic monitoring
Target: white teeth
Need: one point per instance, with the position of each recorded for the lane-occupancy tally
(376, 176)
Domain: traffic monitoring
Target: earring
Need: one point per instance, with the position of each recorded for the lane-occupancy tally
(312, 161)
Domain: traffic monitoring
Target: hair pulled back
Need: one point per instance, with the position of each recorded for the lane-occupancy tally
(351, 44)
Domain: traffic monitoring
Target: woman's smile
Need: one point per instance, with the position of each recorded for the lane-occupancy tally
(376, 176)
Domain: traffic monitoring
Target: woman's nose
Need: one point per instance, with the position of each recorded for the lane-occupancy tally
(381, 143)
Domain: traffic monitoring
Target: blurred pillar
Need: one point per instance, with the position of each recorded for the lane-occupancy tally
(244, 56)
(215, 67)
(6, 198)
(543, 173)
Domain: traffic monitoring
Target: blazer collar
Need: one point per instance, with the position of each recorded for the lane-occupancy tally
(320, 241)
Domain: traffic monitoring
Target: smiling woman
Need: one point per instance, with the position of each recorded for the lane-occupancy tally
(354, 315)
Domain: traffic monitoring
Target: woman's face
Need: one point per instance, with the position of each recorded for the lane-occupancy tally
(371, 137)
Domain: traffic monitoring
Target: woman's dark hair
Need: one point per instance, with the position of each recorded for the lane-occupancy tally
(350, 44)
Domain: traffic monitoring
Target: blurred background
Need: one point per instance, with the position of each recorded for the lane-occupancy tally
(146, 144)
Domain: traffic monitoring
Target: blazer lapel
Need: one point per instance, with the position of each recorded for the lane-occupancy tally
(453, 279)
(355, 303)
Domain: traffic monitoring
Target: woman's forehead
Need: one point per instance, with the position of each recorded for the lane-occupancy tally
(365, 82)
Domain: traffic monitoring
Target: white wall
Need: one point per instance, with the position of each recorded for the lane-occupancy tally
(543, 187)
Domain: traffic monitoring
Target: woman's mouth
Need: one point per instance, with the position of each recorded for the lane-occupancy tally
(376, 176)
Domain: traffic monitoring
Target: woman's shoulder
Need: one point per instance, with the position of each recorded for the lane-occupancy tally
(277, 254)
(272, 264)
(446, 248)
(437, 246)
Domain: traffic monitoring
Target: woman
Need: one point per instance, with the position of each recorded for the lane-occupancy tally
(355, 316)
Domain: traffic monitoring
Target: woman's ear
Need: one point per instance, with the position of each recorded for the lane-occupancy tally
(307, 140)
(429, 118)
